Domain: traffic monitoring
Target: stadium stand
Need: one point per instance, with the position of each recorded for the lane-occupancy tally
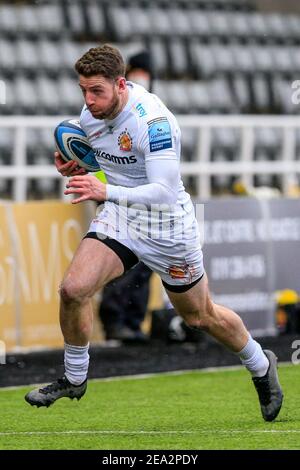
(209, 56)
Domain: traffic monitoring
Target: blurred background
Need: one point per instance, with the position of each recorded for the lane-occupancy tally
(230, 71)
(222, 57)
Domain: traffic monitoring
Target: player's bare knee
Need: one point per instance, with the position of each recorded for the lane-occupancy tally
(67, 294)
(71, 292)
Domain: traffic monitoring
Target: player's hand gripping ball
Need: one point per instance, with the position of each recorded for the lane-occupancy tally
(72, 144)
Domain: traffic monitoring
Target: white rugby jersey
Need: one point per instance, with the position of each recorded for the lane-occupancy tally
(139, 152)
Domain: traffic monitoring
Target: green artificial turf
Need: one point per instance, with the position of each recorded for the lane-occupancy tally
(195, 410)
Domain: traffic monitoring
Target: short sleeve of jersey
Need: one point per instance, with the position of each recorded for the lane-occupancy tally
(159, 138)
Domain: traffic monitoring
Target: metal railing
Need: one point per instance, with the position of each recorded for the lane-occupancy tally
(286, 167)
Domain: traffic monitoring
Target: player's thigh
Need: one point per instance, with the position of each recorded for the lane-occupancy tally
(94, 264)
(194, 302)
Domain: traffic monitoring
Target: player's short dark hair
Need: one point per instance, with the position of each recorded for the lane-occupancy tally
(103, 60)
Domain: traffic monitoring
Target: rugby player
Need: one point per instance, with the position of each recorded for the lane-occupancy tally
(147, 216)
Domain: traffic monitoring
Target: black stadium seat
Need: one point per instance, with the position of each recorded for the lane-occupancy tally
(49, 102)
(178, 97)
(27, 56)
(9, 20)
(261, 93)
(28, 20)
(96, 23)
(262, 58)
(225, 143)
(179, 62)
(51, 20)
(203, 60)
(75, 18)
(295, 56)
(277, 27)
(119, 23)
(282, 60)
(6, 145)
(224, 58)
(159, 56)
(219, 24)
(268, 140)
(188, 143)
(239, 26)
(161, 22)
(180, 21)
(25, 94)
(199, 97)
(257, 25)
(43, 187)
(47, 142)
(8, 57)
(33, 144)
(241, 93)
(292, 25)
(221, 96)
(282, 93)
(244, 60)
(50, 57)
(70, 95)
(141, 25)
(70, 52)
(200, 27)
(160, 88)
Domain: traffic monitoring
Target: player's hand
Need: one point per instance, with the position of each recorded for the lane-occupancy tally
(67, 168)
(87, 187)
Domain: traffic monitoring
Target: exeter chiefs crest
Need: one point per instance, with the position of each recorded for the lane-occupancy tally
(125, 141)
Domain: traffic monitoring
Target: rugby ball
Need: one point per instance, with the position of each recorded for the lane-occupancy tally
(72, 143)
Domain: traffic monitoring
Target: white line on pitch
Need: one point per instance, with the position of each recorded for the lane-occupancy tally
(200, 431)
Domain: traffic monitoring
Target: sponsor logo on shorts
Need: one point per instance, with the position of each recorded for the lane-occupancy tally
(159, 132)
(181, 272)
(178, 272)
(125, 141)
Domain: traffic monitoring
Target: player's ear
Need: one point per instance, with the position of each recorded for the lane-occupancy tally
(121, 83)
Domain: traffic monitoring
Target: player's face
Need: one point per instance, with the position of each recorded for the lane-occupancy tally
(103, 97)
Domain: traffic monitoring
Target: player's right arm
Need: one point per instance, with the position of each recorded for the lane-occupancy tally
(70, 168)
(67, 168)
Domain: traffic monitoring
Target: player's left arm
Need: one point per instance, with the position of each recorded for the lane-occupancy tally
(86, 187)
(159, 141)
(163, 176)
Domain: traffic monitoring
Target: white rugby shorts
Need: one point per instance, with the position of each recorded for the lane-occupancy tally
(170, 247)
